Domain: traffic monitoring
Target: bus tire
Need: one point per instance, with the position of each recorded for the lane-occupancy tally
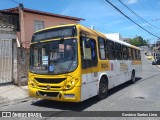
(103, 88)
(133, 79)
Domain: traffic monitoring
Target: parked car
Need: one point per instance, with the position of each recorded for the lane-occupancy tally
(156, 62)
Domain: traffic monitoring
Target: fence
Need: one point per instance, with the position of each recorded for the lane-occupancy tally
(6, 61)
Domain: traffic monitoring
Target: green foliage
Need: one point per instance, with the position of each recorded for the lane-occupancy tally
(138, 41)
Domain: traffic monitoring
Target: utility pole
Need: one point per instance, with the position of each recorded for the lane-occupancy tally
(21, 20)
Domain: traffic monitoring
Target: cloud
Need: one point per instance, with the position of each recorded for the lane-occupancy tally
(89, 10)
(132, 1)
(130, 27)
(113, 23)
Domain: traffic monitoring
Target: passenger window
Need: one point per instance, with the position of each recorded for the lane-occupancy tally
(101, 44)
(139, 55)
(110, 49)
(88, 52)
(125, 52)
(133, 54)
(129, 53)
(118, 51)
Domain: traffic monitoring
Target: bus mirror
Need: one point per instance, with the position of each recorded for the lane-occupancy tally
(82, 57)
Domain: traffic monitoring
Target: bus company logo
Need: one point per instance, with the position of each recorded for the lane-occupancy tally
(104, 65)
(48, 87)
(6, 114)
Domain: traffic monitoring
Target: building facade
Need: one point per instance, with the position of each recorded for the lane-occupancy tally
(26, 22)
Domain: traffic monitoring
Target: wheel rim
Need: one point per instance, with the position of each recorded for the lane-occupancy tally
(102, 89)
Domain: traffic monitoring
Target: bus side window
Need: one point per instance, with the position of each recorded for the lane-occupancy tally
(133, 53)
(102, 52)
(139, 55)
(118, 51)
(129, 53)
(110, 49)
(125, 52)
(88, 52)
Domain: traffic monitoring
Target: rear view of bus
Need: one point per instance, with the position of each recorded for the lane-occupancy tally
(54, 71)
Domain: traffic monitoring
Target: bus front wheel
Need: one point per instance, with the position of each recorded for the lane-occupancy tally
(103, 88)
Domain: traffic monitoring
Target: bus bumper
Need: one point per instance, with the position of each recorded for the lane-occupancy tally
(72, 95)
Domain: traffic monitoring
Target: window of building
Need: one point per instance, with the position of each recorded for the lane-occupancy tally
(101, 44)
(38, 25)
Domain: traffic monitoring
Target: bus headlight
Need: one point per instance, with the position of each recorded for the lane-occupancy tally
(71, 84)
(68, 86)
(32, 83)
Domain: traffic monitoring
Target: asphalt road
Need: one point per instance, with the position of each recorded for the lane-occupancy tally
(144, 95)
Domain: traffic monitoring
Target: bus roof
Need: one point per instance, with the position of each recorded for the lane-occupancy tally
(91, 31)
(122, 42)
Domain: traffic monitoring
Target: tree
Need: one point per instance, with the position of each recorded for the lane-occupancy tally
(138, 41)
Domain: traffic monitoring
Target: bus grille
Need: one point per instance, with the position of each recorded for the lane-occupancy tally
(50, 80)
(45, 87)
(48, 94)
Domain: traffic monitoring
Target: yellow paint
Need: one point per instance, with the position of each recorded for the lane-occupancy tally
(136, 62)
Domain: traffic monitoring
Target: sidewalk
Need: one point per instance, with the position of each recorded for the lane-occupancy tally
(158, 66)
(10, 93)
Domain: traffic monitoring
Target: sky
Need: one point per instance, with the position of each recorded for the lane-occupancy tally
(102, 16)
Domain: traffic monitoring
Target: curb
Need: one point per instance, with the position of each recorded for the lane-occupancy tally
(158, 66)
(16, 101)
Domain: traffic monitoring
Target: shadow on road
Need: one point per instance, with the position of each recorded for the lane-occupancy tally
(78, 106)
(122, 86)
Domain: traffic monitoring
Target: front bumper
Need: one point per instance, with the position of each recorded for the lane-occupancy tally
(72, 95)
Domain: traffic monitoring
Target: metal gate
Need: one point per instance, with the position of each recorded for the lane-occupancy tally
(6, 60)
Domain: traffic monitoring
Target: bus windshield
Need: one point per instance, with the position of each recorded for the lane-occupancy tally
(55, 57)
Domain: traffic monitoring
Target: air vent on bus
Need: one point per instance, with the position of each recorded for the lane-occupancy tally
(50, 80)
(45, 87)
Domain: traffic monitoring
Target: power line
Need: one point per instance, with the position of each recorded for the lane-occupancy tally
(155, 19)
(131, 19)
(14, 1)
(137, 14)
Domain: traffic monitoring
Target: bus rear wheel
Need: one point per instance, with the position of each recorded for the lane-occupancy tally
(103, 88)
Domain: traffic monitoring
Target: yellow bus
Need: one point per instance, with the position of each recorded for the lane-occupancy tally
(73, 63)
